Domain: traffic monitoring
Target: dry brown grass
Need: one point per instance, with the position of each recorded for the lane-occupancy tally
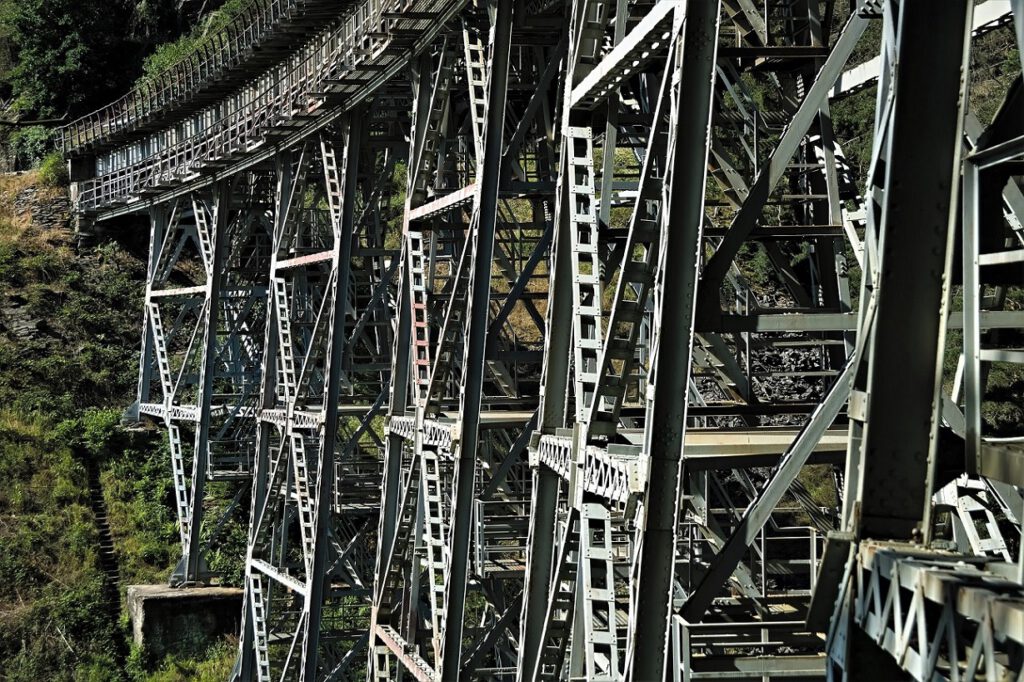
(16, 226)
(13, 224)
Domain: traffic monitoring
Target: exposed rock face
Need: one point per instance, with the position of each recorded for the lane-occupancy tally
(50, 209)
(48, 212)
(182, 621)
(17, 320)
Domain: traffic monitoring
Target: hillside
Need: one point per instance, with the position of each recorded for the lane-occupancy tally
(85, 506)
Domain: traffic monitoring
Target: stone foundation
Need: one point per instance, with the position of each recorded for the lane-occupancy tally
(182, 621)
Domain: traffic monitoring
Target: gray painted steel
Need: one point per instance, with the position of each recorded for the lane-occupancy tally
(519, 325)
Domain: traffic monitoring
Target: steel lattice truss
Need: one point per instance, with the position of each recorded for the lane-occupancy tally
(517, 324)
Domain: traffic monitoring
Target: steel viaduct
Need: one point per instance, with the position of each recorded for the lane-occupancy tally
(458, 296)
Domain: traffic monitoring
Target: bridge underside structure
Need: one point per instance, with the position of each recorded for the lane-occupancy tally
(561, 340)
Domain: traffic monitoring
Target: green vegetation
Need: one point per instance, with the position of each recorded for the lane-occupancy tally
(60, 59)
(68, 349)
(134, 468)
(27, 146)
(53, 171)
(68, 57)
(85, 310)
(53, 617)
(170, 53)
(216, 668)
(61, 44)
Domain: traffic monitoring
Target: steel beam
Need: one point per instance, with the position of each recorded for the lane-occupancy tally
(917, 219)
(342, 219)
(473, 363)
(681, 246)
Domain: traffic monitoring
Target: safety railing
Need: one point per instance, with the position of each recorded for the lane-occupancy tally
(763, 650)
(354, 49)
(500, 530)
(782, 560)
(214, 56)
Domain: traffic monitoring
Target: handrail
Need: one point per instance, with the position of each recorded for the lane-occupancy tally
(211, 58)
(272, 100)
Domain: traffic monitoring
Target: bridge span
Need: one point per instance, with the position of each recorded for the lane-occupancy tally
(559, 339)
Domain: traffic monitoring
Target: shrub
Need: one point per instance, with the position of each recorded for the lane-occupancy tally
(171, 53)
(53, 171)
(29, 145)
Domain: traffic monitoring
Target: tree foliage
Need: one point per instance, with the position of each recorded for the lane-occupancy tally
(170, 53)
(66, 52)
(68, 57)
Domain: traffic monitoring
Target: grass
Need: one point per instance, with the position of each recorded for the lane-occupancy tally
(62, 391)
(216, 667)
(52, 615)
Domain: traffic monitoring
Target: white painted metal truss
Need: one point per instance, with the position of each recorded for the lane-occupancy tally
(517, 326)
(940, 617)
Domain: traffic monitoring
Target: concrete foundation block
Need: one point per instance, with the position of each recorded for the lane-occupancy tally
(182, 621)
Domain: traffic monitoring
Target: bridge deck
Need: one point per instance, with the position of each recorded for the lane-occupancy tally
(262, 35)
(340, 67)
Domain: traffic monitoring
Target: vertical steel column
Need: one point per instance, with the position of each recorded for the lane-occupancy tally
(244, 668)
(477, 322)
(973, 391)
(325, 480)
(552, 411)
(221, 210)
(551, 415)
(540, 553)
(392, 484)
(401, 368)
(157, 231)
(921, 184)
(682, 228)
(893, 465)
